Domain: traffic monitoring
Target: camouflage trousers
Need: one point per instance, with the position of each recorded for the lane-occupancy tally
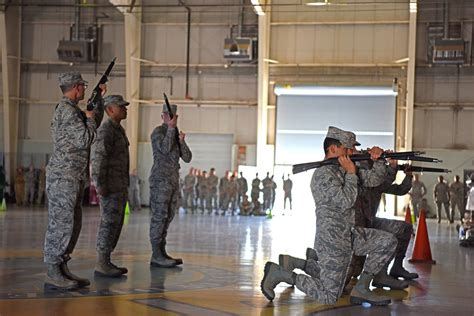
(163, 199)
(19, 193)
(40, 194)
(212, 200)
(64, 218)
(30, 193)
(134, 199)
(203, 200)
(446, 209)
(188, 199)
(459, 203)
(334, 259)
(112, 210)
(287, 196)
(223, 200)
(400, 229)
(267, 200)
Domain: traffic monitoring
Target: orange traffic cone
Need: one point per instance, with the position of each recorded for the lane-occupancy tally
(422, 249)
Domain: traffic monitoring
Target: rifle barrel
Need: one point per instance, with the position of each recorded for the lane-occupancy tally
(407, 155)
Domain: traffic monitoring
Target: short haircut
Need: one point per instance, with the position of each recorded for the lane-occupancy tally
(328, 142)
(66, 88)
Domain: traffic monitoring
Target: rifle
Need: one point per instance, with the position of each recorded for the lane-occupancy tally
(407, 155)
(171, 117)
(96, 93)
(421, 169)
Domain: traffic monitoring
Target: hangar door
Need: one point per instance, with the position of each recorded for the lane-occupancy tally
(209, 150)
(304, 114)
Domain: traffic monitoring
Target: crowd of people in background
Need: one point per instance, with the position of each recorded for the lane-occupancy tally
(206, 192)
(451, 196)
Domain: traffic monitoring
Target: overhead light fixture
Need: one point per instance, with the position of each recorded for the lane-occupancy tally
(317, 2)
(403, 60)
(257, 7)
(334, 91)
(271, 61)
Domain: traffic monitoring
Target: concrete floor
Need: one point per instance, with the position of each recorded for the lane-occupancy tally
(223, 266)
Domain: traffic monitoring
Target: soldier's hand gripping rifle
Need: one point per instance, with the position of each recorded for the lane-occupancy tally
(406, 155)
(97, 92)
(171, 117)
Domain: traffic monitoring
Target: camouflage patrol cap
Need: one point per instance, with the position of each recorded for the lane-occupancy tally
(353, 139)
(343, 136)
(174, 108)
(70, 78)
(115, 99)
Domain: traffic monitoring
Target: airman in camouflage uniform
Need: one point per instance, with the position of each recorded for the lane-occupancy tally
(198, 175)
(134, 191)
(456, 190)
(243, 187)
(213, 182)
(110, 171)
(335, 191)
(41, 185)
(73, 132)
(30, 178)
(441, 197)
(274, 186)
(203, 191)
(366, 209)
(188, 190)
(245, 206)
(267, 192)
(164, 183)
(223, 192)
(19, 186)
(287, 186)
(232, 192)
(417, 192)
(255, 192)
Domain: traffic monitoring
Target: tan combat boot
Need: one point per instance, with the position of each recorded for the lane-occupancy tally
(55, 280)
(159, 260)
(82, 282)
(383, 280)
(273, 275)
(104, 268)
(362, 294)
(290, 263)
(178, 261)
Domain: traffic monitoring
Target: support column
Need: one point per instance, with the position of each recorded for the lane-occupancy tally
(410, 99)
(132, 27)
(263, 161)
(10, 47)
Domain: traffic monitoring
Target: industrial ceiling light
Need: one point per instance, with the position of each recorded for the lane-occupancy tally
(402, 60)
(257, 7)
(334, 91)
(317, 2)
(271, 61)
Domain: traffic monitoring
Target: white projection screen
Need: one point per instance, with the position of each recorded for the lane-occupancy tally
(303, 115)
